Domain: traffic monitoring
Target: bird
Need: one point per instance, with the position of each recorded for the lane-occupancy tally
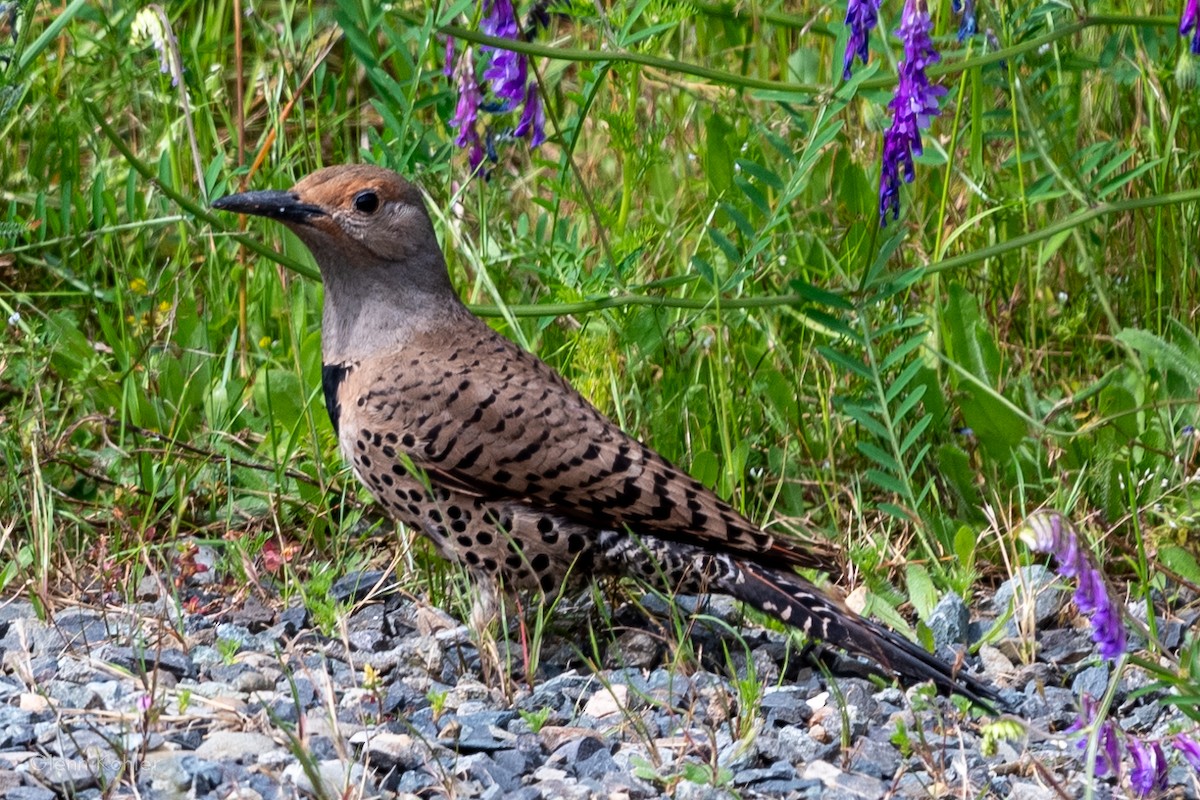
(484, 448)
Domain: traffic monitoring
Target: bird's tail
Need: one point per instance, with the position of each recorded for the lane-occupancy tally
(796, 602)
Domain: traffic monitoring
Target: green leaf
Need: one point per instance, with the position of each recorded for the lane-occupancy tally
(878, 606)
(921, 592)
(760, 173)
(879, 456)
(900, 353)
(887, 482)
(998, 426)
(966, 541)
(718, 154)
(846, 362)
(1167, 355)
(727, 247)
(913, 435)
(1180, 561)
(865, 418)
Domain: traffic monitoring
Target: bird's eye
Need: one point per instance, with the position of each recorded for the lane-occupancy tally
(366, 201)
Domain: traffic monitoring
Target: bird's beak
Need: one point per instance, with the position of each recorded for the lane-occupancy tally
(282, 206)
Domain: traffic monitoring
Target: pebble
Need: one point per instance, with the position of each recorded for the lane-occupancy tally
(949, 621)
(1035, 595)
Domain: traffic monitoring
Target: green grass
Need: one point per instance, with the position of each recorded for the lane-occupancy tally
(696, 249)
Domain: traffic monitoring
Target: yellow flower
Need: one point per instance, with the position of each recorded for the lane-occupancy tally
(164, 306)
(264, 342)
(137, 286)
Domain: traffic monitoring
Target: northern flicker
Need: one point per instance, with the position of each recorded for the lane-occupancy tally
(462, 435)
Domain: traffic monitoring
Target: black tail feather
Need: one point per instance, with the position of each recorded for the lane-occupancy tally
(796, 602)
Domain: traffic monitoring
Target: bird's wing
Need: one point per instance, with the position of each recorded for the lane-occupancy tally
(478, 414)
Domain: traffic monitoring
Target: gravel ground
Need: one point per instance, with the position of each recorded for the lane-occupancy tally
(248, 701)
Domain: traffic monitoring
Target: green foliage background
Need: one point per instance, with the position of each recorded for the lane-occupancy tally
(697, 249)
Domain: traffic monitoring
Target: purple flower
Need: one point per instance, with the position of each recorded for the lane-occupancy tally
(1189, 23)
(1110, 745)
(861, 17)
(1149, 770)
(533, 119)
(466, 113)
(1051, 533)
(914, 106)
(506, 78)
(448, 66)
(1189, 748)
(966, 26)
(507, 71)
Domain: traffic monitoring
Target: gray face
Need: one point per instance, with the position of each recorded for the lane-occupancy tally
(379, 258)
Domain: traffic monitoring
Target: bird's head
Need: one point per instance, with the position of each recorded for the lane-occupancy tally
(358, 215)
(380, 261)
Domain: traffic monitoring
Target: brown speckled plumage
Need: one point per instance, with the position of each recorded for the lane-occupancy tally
(490, 453)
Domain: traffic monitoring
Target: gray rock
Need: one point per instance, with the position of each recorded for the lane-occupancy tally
(29, 793)
(40, 638)
(1172, 633)
(228, 632)
(635, 649)
(1025, 790)
(284, 710)
(1064, 646)
(519, 760)
(292, 620)
(410, 782)
(43, 669)
(875, 758)
(687, 790)
(587, 758)
(753, 777)
(785, 705)
(236, 746)
(141, 660)
(332, 779)
(798, 747)
(1092, 680)
(400, 698)
(1045, 592)
(843, 784)
(75, 670)
(483, 769)
(396, 750)
(71, 775)
(949, 620)
(355, 586)
(526, 793)
(253, 615)
(477, 732)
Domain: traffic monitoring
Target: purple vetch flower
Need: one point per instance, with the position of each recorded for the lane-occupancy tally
(466, 113)
(1052, 533)
(448, 67)
(1110, 744)
(1149, 770)
(966, 10)
(861, 18)
(1189, 23)
(533, 119)
(914, 106)
(506, 84)
(1189, 748)
(506, 72)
